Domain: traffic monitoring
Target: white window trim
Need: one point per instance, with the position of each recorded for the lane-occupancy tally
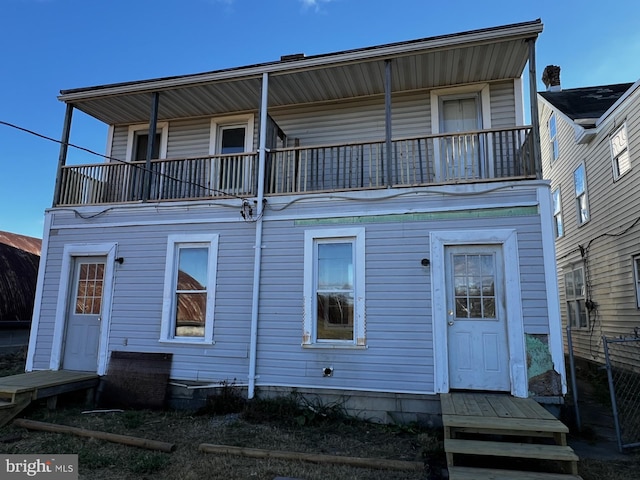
(309, 314)
(614, 159)
(636, 277)
(168, 298)
(162, 127)
(513, 299)
(586, 195)
(71, 252)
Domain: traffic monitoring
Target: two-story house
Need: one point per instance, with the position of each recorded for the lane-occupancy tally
(590, 138)
(370, 223)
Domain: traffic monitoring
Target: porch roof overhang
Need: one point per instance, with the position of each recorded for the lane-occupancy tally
(475, 56)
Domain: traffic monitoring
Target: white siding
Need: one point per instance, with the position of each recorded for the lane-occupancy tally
(503, 106)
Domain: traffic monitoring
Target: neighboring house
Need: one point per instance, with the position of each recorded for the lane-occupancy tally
(369, 223)
(19, 259)
(590, 141)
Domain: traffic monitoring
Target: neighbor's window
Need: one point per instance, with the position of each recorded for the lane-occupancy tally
(575, 294)
(636, 271)
(553, 137)
(334, 287)
(582, 202)
(557, 214)
(189, 288)
(620, 152)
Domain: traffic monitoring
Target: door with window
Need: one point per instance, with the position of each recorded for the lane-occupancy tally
(84, 314)
(476, 318)
(234, 167)
(460, 153)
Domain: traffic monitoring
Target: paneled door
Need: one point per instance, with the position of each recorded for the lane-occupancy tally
(476, 318)
(84, 314)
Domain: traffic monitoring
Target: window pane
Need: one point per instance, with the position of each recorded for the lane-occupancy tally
(619, 141)
(192, 268)
(556, 201)
(232, 140)
(578, 180)
(568, 285)
(559, 226)
(578, 281)
(584, 208)
(474, 286)
(140, 147)
(335, 316)
(489, 308)
(335, 266)
(623, 164)
(190, 314)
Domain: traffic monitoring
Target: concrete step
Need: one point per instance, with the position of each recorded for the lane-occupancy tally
(468, 473)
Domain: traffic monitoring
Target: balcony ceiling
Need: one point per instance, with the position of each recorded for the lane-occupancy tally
(477, 56)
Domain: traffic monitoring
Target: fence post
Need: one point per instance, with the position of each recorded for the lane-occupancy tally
(612, 393)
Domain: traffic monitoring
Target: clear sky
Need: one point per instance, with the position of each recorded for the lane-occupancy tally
(52, 45)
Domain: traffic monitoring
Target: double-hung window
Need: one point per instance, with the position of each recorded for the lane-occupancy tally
(189, 289)
(334, 287)
(620, 152)
(582, 201)
(557, 214)
(553, 138)
(636, 276)
(576, 297)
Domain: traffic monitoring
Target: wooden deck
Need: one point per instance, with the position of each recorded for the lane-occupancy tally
(18, 391)
(499, 425)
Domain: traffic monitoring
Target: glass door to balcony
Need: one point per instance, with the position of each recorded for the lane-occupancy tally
(234, 169)
(460, 152)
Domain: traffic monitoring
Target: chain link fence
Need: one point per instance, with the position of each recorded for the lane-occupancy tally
(622, 357)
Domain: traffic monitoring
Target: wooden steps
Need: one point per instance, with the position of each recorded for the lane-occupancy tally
(469, 473)
(517, 430)
(18, 391)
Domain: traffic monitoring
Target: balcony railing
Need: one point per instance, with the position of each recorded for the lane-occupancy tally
(431, 159)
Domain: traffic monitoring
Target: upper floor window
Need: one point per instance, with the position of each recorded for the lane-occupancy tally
(557, 214)
(620, 152)
(576, 297)
(553, 137)
(636, 274)
(582, 201)
(189, 288)
(138, 142)
(231, 141)
(334, 287)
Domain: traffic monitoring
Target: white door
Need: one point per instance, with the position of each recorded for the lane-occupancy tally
(477, 324)
(83, 319)
(460, 153)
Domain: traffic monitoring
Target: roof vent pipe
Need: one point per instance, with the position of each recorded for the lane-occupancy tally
(551, 78)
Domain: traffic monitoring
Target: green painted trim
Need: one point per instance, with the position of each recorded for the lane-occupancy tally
(424, 217)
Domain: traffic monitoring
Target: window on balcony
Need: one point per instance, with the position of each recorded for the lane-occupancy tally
(231, 139)
(334, 287)
(557, 214)
(620, 152)
(576, 298)
(553, 138)
(138, 140)
(582, 201)
(189, 289)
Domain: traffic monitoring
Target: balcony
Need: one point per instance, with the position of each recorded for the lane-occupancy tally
(477, 156)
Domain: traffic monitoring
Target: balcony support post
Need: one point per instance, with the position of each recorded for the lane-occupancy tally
(533, 100)
(62, 157)
(387, 119)
(257, 260)
(153, 123)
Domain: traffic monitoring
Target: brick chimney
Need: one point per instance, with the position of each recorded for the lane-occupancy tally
(551, 78)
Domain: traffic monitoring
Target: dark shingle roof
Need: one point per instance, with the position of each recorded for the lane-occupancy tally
(588, 102)
(19, 260)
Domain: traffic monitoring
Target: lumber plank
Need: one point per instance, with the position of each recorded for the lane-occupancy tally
(520, 425)
(446, 404)
(511, 449)
(468, 473)
(378, 463)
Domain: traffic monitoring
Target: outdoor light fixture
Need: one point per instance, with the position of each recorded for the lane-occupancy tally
(120, 260)
(425, 262)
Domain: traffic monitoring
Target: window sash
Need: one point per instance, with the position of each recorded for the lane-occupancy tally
(580, 187)
(557, 214)
(620, 152)
(553, 137)
(636, 271)
(575, 293)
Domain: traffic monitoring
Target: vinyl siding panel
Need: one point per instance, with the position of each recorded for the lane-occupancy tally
(503, 107)
(609, 235)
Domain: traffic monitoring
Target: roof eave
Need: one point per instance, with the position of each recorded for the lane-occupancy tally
(503, 33)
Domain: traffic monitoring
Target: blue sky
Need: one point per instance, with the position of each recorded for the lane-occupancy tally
(49, 45)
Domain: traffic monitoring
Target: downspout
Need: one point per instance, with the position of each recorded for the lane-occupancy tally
(257, 261)
(533, 100)
(62, 156)
(153, 125)
(387, 119)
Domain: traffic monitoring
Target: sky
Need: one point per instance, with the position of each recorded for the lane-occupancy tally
(52, 45)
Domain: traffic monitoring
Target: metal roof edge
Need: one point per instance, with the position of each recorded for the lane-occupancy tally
(500, 33)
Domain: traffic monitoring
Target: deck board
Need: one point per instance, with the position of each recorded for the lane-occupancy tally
(43, 379)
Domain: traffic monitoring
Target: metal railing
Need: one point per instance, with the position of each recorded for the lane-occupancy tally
(622, 357)
(430, 159)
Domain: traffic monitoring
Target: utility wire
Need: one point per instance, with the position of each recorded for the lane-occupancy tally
(114, 159)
